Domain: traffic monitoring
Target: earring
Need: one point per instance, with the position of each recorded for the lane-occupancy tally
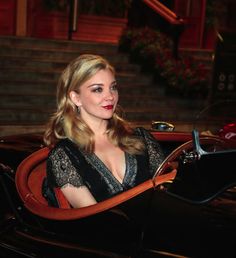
(78, 110)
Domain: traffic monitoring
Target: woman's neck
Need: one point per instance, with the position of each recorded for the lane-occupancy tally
(99, 128)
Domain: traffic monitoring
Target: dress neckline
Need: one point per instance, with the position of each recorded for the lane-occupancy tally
(113, 183)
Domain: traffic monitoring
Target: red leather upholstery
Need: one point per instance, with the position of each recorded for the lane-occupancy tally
(29, 168)
(35, 180)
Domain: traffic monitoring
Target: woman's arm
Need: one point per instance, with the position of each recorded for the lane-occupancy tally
(64, 172)
(78, 196)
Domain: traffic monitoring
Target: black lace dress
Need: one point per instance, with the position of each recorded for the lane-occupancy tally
(68, 164)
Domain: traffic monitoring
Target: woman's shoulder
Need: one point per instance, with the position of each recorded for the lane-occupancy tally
(143, 132)
(146, 135)
(61, 146)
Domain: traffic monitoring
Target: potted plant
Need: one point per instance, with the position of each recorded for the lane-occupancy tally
(153, 51)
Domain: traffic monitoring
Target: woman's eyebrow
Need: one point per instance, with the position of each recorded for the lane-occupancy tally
(95, 84)
(100, 84)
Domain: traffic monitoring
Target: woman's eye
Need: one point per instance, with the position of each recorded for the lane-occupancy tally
(114, 87)
(99, 89)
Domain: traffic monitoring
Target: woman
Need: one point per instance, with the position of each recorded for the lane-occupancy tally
(95, 154)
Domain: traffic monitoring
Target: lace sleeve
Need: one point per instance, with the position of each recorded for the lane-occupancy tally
(61, 169)
(155, 153)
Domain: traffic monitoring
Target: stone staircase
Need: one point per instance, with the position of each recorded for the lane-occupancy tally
(30, 69)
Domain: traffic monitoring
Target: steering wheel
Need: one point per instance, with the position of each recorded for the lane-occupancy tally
(171, 161)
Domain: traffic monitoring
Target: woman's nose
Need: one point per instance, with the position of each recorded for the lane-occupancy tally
(109, 95)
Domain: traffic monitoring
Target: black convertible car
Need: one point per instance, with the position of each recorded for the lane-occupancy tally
(191, 213)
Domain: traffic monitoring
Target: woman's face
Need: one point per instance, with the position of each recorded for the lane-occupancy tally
(97, 97)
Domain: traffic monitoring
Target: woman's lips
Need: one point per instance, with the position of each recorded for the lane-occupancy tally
(108, 107)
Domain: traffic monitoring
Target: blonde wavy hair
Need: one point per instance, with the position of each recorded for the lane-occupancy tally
(66, 122)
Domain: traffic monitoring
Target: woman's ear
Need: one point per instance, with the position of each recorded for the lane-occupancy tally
(74, 96)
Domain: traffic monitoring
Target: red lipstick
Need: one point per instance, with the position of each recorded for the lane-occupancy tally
(108, 107)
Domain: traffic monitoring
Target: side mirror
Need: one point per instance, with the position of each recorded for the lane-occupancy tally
(162, 126)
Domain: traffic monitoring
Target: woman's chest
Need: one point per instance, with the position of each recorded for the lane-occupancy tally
(113, 158)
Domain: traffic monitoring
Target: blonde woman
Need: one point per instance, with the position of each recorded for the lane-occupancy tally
(95, 154)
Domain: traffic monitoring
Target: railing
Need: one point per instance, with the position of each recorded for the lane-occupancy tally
(171, 18)
(164, 11)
